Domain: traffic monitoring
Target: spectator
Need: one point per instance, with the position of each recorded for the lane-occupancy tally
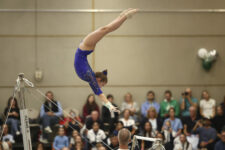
(189, 123)
(155, 121)
(50, 113)
(93, 118)
(150, 102)
(7, 138)
(128, 122)
(207, 134)
(113, 142)
(61, 141)
(75, 133)
(90, 106)
(130, 104)
(119, 126)
(182, 144)
(186, 101)
(207, 106)
(13, 115)
(71, 121)
(219, 120)
(167, 103)
(176, 124)
(78, 143)
(223, 104)
(124, 137)
(95, 135)
(147, 132)
(168, 132)
(220, 145)
(110, 117)
(167, 145)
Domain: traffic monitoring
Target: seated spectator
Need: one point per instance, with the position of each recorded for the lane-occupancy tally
(147, 132)
(78, 146)
(186, 101)
(155, 121)
(128, 122)
(71, 121)
(207, 134)
(78, 143)
(150, 102)
(119, 126)
(50, 113)
(61, 141)
(167, 103)
(13, 116)
(218, 122)
(110, 117)
(95, 135)
(176, 124)
(182, 144)
(168, 132)
(189, 123)
(220, 145)
(90, 106)
(93, 118)
(114, 143)
(130, 104)
(207, 106)
(167, 145)
(7, 139)
(75, 133)
(223, 104)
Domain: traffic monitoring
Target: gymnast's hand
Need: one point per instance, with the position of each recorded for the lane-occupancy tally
(111, 108)
(128, 13)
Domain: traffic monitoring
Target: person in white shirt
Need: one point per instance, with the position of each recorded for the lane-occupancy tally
(7, 139)
(124, 137)
(181, 143)
(207, 106)
(128, 122)
(95, 135)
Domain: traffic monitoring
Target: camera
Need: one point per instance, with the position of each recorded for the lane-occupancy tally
(185, 94)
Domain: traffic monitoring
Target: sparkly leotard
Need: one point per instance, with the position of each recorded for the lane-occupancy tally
(84, 70)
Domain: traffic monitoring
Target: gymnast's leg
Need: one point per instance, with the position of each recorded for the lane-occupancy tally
(92, 39)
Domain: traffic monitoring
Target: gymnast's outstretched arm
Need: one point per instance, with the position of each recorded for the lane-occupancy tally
(94, 37)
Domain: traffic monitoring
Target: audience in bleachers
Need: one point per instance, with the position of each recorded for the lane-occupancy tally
(12, 110)
(50, 112)
(187, 101)
(167, 103)
(130, 104)
(89, 106)
(207, 106)
(181, 125)
(150, 102)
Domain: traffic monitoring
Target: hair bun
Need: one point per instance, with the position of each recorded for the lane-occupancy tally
(105, 72)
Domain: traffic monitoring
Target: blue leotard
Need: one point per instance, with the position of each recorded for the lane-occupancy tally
(84, 70)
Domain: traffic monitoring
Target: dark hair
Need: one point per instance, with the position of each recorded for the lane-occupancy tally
(171, 108)
(110, 96)
(149, 132)
(92, 106)
(9, 102)
(95, 123)
(151, 92)
(120, 122)
(168, 92)
(102, 76)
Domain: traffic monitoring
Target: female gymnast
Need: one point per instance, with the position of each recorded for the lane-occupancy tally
(97, 80)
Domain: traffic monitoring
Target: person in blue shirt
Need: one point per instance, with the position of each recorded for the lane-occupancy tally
(61, 141)
(220, 145)
(50, 113)
(150, 102)
(186, 101)
(176, 123)
(97, 80)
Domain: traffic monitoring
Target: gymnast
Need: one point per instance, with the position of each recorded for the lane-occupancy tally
(97, 80)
